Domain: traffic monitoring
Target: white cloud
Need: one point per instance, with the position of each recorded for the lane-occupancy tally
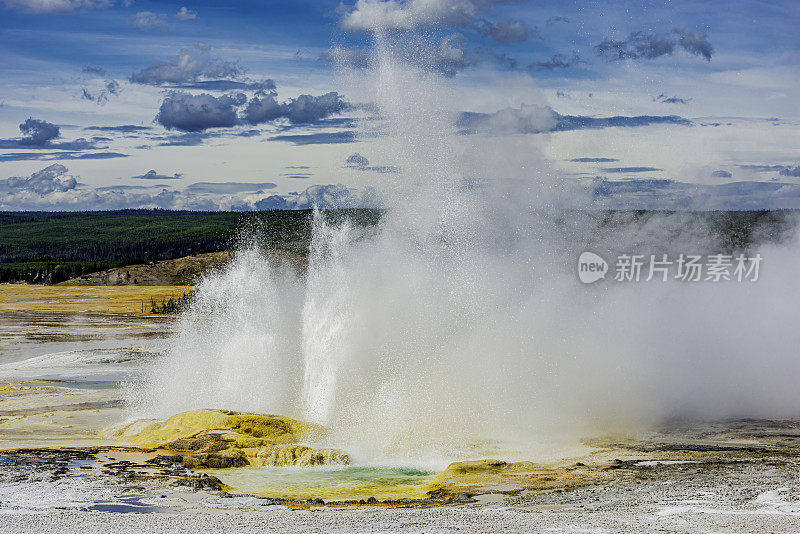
(149, 21)
(55, 6)
(186, 14)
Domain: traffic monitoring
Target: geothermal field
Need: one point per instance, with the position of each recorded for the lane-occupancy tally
(538, 280)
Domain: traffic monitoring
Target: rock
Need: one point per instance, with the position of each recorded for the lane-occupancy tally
(220, 439)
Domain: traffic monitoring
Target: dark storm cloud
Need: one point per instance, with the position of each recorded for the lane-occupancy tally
(721, 174)
(195, 113)
(505, 31)
(695, 43)
(153, 175)
(317, 138)
(626, 170)
(664, 99)
(300, 110)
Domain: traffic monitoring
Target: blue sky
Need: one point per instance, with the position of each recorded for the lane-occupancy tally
(209, 93)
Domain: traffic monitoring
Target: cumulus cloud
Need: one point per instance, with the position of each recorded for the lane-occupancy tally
(301, 110)
(194, 113)
(189, 66)
(53, 188)
(46, 7)
(48, 180)
(721, 174)
(38, 132)
(186, 14)
(153, 175)
(641, 45)
(334, 196)
(695, 43)
(148, 21)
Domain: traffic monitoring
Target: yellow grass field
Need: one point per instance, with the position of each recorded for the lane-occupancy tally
(127, 300)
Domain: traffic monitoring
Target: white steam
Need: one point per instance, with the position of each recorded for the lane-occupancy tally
(458, 326)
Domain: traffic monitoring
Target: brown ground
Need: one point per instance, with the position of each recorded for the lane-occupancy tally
(178, 272)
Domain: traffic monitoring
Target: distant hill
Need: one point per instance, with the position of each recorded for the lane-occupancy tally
(177, 272)
(52, 247)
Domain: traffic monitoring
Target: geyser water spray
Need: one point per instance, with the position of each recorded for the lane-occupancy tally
(458, 327)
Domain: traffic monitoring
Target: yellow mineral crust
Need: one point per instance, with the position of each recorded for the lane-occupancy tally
(222, 438)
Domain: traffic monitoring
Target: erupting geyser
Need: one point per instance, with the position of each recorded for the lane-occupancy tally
(457, 327)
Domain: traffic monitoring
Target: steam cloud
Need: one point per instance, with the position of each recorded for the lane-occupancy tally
(457, 327)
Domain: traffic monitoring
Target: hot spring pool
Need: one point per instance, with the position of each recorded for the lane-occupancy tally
(340, 483)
